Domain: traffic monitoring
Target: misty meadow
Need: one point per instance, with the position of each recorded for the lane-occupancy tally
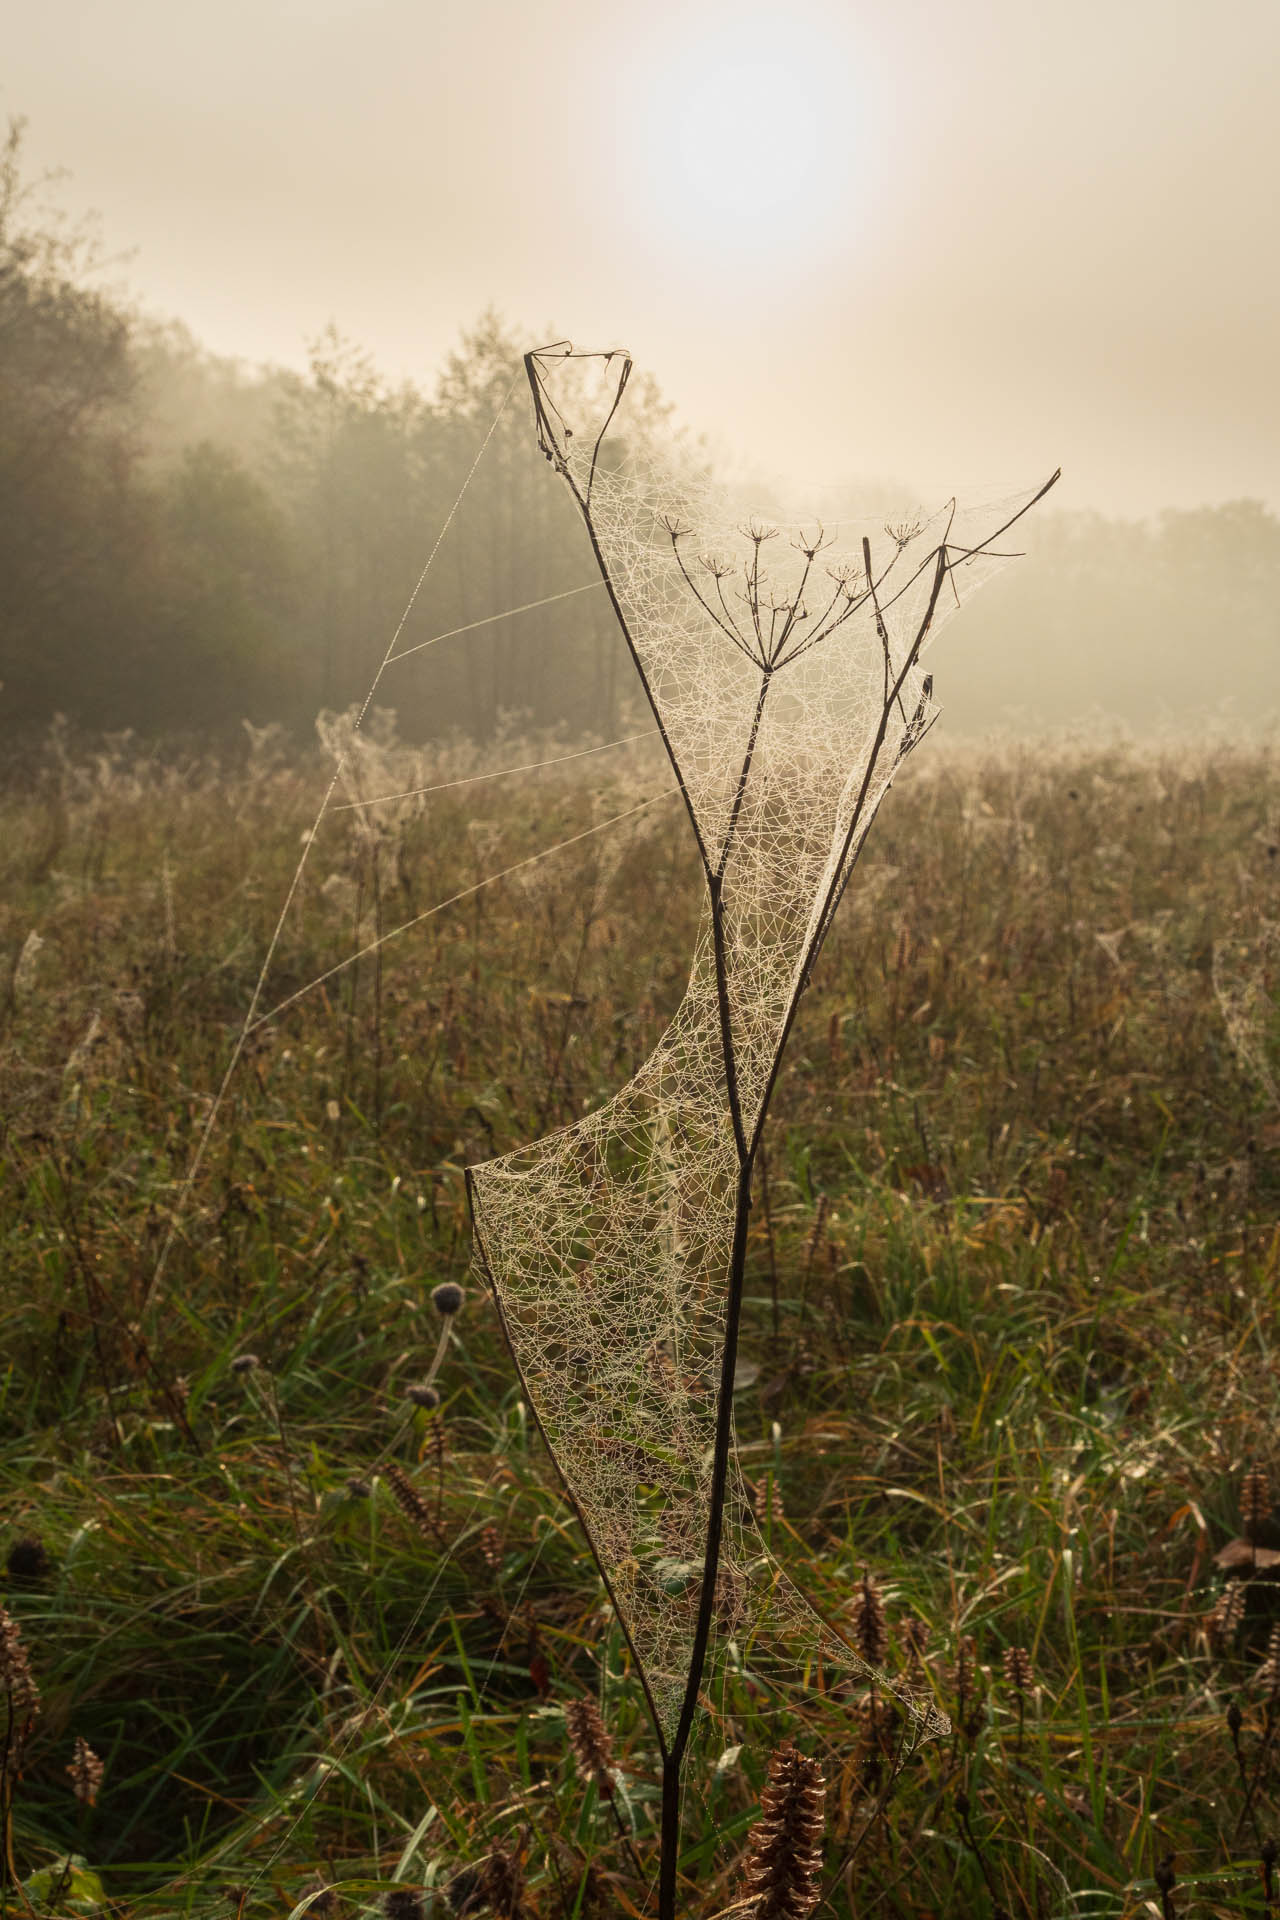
(297, 1615)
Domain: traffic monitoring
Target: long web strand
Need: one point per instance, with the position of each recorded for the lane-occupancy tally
(392, 933)
(506, 614)
(249, 1023)
(499, 773)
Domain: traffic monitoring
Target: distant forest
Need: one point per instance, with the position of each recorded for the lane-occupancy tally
(186, 544)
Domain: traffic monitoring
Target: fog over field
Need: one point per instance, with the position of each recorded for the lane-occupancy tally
(909, 251)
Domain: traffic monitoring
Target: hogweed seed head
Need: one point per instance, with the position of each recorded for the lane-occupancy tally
(785, 1854)
(592, 1747)
(447, 1298)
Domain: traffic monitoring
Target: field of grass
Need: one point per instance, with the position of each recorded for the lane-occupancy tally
(1010, 1347)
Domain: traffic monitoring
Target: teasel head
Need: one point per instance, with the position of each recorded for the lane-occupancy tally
(1255, 1502)
(591, 1745)
(15, 1672)
(86, 1772)
(784, 1856)
(870, 1624)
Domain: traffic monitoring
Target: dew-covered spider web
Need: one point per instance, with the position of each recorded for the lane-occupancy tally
(783, 664)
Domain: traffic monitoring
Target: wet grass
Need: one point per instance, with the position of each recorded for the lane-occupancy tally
(1011, 1337)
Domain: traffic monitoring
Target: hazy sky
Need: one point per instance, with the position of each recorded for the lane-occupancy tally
(953, 244)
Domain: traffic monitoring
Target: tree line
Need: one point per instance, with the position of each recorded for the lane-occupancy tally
(185, 545)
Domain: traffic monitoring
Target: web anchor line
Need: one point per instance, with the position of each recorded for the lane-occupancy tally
(499, 773)
(178, 1211)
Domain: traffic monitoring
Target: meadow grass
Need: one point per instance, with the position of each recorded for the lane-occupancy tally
(1010, 1343)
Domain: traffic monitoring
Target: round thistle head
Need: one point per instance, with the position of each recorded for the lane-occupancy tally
(420, 1394)
(245, 1363)
(27, 1559)
(447, 1298)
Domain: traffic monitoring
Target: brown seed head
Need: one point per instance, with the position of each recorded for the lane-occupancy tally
(447, 1298)
(784, 1857)
(86, 1773)
(1227, 1611)
(410, 1501)
(1255, 1501)
(403, 1903)
(1017, 1669)
(27, 1559)
(870, 1626)
(15, 1671)
(1269, 1671)
(592, 1747)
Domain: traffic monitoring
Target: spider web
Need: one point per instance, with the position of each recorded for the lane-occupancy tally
(783, 666)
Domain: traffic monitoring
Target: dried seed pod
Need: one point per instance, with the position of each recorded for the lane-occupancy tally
(784, 1857)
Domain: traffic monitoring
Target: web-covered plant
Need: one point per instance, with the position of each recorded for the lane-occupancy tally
(784, 669)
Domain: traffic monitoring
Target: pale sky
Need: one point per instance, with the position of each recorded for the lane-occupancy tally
(953, 245)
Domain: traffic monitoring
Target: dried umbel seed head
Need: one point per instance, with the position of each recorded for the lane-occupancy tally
(419, 1394)
(870, 1627)
(447, 1298)
(784, 1856)
(592, 1748)
(1255, 1501)
(15, 1671)
(26, 1559)
(86, 1773)
(245, 1363)
(1017, 1669)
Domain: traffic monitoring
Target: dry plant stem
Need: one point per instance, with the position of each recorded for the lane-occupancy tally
(767, 654)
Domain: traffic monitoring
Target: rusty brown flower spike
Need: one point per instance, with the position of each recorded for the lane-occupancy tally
(870, 1625)
(410, 1501)
(592, 1748)
(1255, 1501)
(86, 1772)
(15, 1671)
(1017, 1669)
(785, 1854)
